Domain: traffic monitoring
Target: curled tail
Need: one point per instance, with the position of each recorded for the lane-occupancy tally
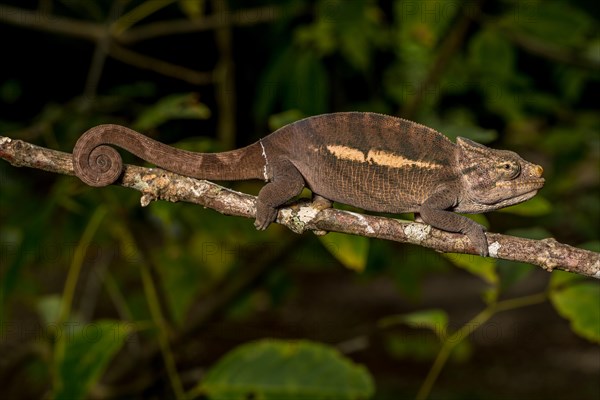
(98, 164)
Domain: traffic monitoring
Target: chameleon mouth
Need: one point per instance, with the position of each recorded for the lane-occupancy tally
(521, 191)
(533, 184)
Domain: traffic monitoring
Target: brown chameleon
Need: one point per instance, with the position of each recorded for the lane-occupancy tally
(371, 161)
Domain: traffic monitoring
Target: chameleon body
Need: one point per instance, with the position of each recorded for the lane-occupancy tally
(371, 161)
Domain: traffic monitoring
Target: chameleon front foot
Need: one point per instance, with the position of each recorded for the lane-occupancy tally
(264, 216)
(478, 239)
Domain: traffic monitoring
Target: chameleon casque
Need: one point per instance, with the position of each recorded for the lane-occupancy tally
(372, 161)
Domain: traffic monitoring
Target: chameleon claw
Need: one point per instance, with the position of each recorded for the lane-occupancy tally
(478, 240)
(264, 216)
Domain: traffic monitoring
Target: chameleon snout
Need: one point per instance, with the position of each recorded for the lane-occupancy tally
(538, 170)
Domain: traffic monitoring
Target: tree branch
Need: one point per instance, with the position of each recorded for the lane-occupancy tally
(51, 23)
(157, 184)
(159, 66)
(246, 17)
(94, 31)
(111, 40)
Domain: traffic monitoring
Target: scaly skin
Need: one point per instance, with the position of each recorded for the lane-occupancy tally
(371, 161)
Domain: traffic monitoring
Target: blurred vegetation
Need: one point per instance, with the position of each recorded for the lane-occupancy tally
(102, 299)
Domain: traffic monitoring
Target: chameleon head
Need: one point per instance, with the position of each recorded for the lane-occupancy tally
(494, 179)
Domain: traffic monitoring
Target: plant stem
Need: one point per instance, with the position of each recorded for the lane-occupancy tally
(158, 318)
(466, 330)
(70, 286)
(137, 14)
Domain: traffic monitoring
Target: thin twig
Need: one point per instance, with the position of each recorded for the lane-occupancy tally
(565, 55)
(158, 317)
(140, 12)
(51, 23)
(156, 184)
(452, 341)
(99, 60)
(45, 21)
(157, 65)
(108, 40)
(247, 17)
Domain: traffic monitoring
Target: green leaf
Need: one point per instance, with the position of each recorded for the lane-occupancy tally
(352, 251)
(423, 348)
(295, 80)
(592, 245)
(276, 121)
(308, 84)
(577, 299)
(271, 84)
(492, 58)
(535, 207)
(286, 370)
(49, 308)
(357, 28)
(176, 106)
(409, 272)
(483, 267)
(417, 347)
(489, 51)
(555, 23)
(425, 23)
(351, 28)
(435, 320)
(512, 272)
(88, 350)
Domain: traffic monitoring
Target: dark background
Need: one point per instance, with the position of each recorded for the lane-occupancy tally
(510, 74)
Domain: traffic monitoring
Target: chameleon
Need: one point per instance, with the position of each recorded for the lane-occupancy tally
(371, 161)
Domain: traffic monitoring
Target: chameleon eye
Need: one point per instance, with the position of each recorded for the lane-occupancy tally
(510, 169)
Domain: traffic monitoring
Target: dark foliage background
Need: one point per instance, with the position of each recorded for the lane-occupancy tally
(102, 299)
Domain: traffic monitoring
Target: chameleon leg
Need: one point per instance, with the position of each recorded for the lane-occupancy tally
(286, 183)
(434, 212)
